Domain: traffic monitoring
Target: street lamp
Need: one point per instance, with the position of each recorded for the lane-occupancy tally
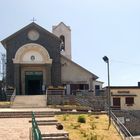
(106, 59)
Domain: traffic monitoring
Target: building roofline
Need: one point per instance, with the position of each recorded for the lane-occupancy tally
(100, 81)
(55, 26)
(96, 77)
(122, 87)
(24, 28)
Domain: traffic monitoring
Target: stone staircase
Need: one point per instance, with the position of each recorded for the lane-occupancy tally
(29, 101)
(9, 93)
(26, 114)
(89, 100)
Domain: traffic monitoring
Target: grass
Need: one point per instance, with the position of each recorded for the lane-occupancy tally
(95, 128)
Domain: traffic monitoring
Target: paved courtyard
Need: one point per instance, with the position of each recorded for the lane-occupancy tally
(14, 128)
(19, 128)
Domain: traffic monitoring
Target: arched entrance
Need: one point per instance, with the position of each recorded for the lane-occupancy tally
(33, 64)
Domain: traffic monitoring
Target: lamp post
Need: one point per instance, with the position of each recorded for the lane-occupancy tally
(106, 59)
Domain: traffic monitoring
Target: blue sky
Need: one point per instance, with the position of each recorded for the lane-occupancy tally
(99, 27)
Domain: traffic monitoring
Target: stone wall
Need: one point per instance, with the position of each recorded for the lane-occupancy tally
(85, 99)
(131, 120)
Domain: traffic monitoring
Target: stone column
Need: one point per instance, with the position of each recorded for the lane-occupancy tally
(68, 89)
(17, 78)
(48, 75)
(91, 83)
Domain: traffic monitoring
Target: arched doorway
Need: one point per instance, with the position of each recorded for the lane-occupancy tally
(34, 65)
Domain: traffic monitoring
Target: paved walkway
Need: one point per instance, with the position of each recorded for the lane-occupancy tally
(27, 109)
(14, 129)
(18, 128)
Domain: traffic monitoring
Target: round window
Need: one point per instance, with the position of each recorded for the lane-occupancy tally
(32, 57)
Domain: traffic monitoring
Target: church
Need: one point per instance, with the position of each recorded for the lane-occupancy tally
(37, 58)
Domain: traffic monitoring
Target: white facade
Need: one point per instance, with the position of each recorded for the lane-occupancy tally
(72, 73)
(63, 30)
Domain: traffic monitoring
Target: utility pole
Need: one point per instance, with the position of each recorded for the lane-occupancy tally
(106, 59)
(3, 70)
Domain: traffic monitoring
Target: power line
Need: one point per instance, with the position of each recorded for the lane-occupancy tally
(125, 62)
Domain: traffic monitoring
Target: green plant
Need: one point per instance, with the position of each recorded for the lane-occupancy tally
(76, 126)
(85, 134)
(65, 117)
(92, 137)
(81, 119)
(93, 126)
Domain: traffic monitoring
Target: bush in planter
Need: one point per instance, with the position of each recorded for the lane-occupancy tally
(82, 119)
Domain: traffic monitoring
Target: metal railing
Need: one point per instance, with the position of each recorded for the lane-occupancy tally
(13, 97)
(122, 128)
(124, 132)
(36, 134)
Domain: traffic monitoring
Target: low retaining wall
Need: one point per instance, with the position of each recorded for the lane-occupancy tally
(130, 119)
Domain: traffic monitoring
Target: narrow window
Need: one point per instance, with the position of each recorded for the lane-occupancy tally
(97, 90)
(62, 43)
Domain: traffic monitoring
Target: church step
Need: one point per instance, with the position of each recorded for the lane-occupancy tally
(25, 114)
(55, 138)
(29, 101)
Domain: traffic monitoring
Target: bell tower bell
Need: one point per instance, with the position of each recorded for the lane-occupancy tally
(64, 33)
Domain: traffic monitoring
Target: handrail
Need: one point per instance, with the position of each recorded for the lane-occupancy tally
(13, 97)
(123, 129)
(120, 125)
(36, 134)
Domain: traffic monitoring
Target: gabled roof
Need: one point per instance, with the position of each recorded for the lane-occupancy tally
(94, 76)
(33, 24)
(62, 23)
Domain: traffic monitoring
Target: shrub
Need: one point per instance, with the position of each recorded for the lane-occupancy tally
(93, 126)
(82, 119)
(76, 126)
(92, 137)
(65, 117)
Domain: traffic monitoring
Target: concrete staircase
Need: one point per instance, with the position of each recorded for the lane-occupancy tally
(29, 101)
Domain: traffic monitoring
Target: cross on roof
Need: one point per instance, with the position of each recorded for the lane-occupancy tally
(33, 19)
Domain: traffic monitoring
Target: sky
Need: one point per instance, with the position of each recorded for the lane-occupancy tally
(98, 28)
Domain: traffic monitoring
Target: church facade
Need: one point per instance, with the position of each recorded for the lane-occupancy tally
(37, 58)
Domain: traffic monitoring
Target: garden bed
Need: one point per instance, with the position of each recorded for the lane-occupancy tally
(94, 128)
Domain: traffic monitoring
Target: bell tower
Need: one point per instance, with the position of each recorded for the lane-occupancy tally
(64, 33)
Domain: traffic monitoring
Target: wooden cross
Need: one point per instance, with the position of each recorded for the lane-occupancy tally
(33, 19)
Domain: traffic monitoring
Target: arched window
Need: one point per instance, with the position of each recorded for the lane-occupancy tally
(62, 43)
